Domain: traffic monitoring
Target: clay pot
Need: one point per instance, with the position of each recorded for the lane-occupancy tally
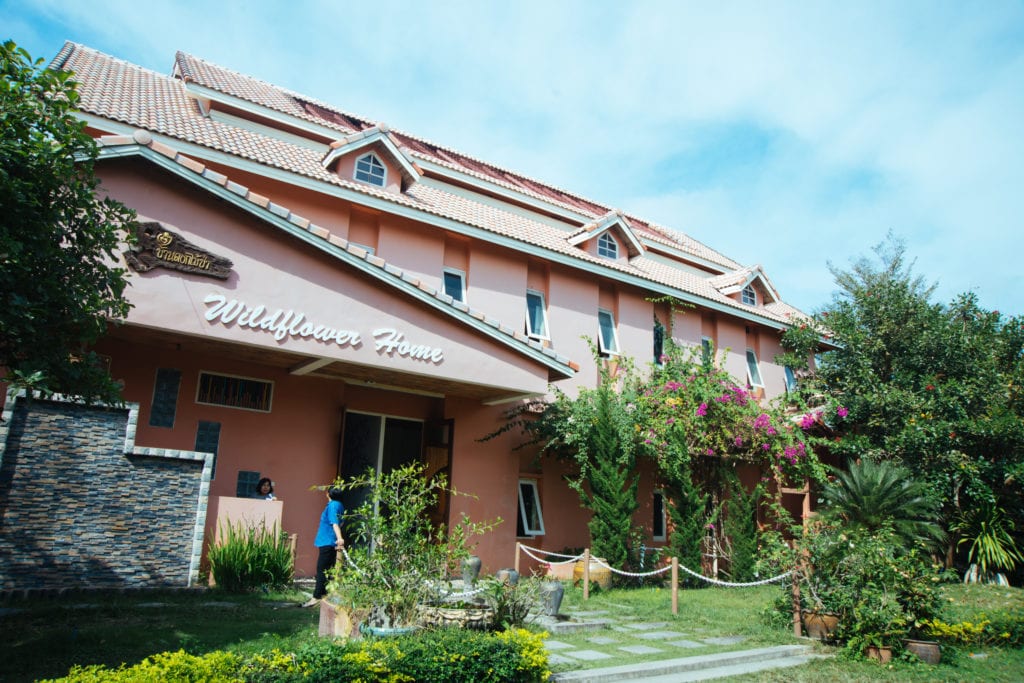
(928, 651)
(470, 570)
(882, 654)
(599, 574)
(552, 592)
(820, 625)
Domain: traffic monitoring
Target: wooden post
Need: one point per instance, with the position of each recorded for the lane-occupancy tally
(586, 573)
(797, 632)
(519, 547)
(675, 585)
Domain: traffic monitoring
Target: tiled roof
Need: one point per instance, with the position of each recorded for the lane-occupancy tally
(113, 89)
(269, 210)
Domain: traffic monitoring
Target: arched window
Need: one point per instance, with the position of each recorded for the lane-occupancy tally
(607, 246)
(370, 170)
(749, 296)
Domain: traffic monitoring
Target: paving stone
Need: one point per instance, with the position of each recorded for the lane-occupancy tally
(583, 614)
(559, 659)
(152, 604)
(641, 649)
(222, 604)
(725, 640)
(556, 645)
(686, 643)
(647, 625)
(588, 655)
(659, 635)
(602, 640)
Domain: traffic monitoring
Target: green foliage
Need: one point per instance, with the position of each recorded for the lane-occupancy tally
(173, 667)
(935, 387)
(881, 590)
(687, 511)
(740, 527)
(870, 495)
(58, 239)
(986, 529)
(612, 490)
(400, 559)
(1000, 629)
(250, 557)
(512, 603)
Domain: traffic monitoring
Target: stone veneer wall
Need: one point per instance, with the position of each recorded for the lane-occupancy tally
(82, 507)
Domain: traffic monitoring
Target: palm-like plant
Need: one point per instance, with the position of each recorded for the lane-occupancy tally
(869, 495)
(992, 548)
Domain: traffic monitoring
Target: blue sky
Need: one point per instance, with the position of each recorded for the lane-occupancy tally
(785, 134)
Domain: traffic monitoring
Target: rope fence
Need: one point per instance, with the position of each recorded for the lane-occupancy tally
(673, 567)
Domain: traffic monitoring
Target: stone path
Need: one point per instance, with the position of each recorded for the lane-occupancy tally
(660, 652)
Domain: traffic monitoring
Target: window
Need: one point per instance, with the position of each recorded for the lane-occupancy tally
(659, 342)
(607, 337)
(455, 284)
(749, 296)
(790, 379)
(208, 441)
(234, 392)
(536, 315)
(370, 170)
(246, 483)
(707, 350)
(607, 247)
(658, 522)
(531, 521)
(753, 371)
(165, 398)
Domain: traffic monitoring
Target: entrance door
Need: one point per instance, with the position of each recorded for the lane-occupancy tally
(377, 442)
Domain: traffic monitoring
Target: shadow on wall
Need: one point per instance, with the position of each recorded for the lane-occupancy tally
(81, 507)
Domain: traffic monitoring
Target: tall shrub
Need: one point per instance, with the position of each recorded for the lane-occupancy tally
(740, 527)
(251, 557)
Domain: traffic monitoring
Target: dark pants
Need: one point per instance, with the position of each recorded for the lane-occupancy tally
(324, 562)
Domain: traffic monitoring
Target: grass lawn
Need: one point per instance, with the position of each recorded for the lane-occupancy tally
(44, 637)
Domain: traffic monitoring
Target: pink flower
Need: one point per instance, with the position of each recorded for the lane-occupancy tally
(709, 452)
(807, 421)
(702, 410)
(738, 441)
(841, 411)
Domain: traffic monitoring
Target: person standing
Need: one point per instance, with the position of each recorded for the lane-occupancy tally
(328, 542)
(264, 489)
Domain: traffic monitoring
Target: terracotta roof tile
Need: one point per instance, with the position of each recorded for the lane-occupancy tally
(119, 91)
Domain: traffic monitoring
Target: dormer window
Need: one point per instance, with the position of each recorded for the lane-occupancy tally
(369, 169)
(748, 296)
(607, 247)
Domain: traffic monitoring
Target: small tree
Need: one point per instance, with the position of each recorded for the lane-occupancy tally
(59, 241)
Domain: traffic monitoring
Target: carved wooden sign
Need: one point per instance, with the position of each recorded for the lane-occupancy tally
(158, 247)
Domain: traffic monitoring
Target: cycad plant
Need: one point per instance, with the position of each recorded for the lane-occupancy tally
(869, 495)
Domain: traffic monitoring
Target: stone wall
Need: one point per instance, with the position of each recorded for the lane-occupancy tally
(82, 507)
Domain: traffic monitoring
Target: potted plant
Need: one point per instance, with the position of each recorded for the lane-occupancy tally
(399, 560)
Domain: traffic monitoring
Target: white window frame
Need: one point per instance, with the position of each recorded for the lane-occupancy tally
(462, 283)
(537, 510)
(753, 370)
(791, 383)
(602, 345)
(369, 174)
(749, 296)
(607, 247)
(224, 375)
(530, 332)
(664, 518)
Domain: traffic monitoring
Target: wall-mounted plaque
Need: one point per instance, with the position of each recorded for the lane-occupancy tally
(158, 247)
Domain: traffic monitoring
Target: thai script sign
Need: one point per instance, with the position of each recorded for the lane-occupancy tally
(158, 247)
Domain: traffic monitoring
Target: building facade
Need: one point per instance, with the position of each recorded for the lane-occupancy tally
(314, 294)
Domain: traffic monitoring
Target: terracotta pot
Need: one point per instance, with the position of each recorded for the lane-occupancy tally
(820, 625)
(599, 574)
(882, 654)
(928, 651)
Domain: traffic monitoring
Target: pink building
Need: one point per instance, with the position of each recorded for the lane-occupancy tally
(315, 294)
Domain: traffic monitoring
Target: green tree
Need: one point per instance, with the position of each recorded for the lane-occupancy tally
(59, 240)
(934, 387)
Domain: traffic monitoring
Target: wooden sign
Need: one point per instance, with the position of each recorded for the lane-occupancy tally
(158, 247)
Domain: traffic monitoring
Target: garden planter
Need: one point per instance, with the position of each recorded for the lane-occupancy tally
(881, 654)
(928, 651)
(337, 621)
(385, 631)
(509, 576)
(470, 570)
(599, 574)
(820, 625)
(476, 618)
(552, 592)
(560, 571)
